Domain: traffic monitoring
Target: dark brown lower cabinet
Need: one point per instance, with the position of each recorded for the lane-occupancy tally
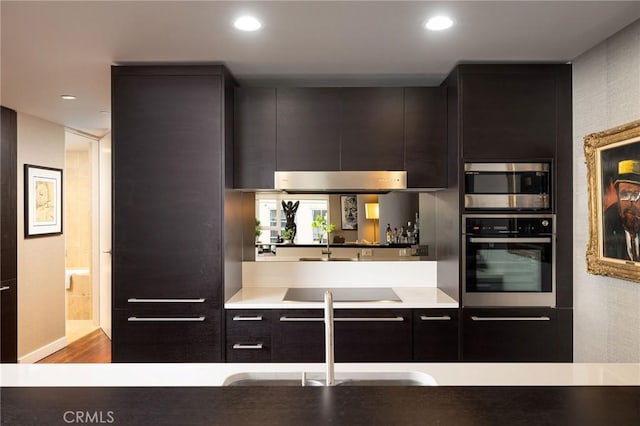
(515, 335)
(435, 335)
(298, 335)
(248, 335)
(167, 334)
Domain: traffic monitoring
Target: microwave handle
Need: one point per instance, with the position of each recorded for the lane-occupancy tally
(510, 240)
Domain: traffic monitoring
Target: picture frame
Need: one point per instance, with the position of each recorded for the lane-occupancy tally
(613, 177)
(42, 201)
(348, 212)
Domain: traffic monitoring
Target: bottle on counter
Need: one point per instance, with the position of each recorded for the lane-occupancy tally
(403, 235)
(394, 236)
(416, 231)
(388, 233)
(409, 233)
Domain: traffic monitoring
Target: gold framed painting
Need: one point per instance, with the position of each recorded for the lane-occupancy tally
(613, 176)
(42, 201)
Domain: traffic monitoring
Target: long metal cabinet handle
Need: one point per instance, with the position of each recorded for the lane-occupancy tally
(247, 318)
(165, 319)
(510, 240)
(299, 319)
(474, 318)
(246, 346)
(441, 318)
(136, 300)
(355, 319)
(4, 288)
(371, 319)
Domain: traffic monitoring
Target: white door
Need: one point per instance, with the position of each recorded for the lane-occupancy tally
(105, 234)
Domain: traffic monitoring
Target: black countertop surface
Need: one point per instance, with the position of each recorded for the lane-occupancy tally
(439, 405)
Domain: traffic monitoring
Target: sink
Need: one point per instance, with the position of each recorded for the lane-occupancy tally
(331, 259)
(393, 378)
(342, 294)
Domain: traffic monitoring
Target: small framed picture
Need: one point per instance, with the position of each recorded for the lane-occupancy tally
(349, 208)
(42, 201)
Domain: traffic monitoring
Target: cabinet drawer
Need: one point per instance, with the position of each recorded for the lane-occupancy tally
(248, 322)
(509, 334)
(435, 335)
(361, 335)
(298, 336)
(248, 349)
(170, 336)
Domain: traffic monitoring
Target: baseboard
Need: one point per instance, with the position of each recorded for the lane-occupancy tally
(107, 331)
(43, 352)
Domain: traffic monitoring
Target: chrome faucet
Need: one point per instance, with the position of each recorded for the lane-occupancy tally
(328, 250)
(328, 338)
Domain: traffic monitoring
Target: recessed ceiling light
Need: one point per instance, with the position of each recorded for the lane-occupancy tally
(247, 23)
(68, 97)
(438, 23)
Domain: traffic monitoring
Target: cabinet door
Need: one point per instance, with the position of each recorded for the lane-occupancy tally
(380, 335)
(372, 128)
(167, 201)
(435, 335)
(167, 334)
(509, 113)
(510, 334)
(308, 129)
(298, 336)
(255, 137)
(9, 321)
(425, 136)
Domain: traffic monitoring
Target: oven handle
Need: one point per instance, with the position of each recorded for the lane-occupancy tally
(510, 240)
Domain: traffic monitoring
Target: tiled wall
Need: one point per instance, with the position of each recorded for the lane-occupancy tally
(78, 231)
(606, 93)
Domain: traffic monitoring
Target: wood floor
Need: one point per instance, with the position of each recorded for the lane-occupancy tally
(93, 348)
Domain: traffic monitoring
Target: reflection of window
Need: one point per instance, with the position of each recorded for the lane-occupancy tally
(273, 220)
(317, 233)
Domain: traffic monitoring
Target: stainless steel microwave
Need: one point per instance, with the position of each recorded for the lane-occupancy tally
(507, 186)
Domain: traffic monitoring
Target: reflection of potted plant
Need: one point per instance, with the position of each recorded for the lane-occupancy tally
(258, 230)
(287, 236)
(325, 228)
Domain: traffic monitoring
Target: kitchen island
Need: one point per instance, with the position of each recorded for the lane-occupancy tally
(192, 394)
(458, 406)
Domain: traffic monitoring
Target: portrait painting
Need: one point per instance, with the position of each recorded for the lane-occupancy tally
(613, 174)
(349, 209)
(42, 201)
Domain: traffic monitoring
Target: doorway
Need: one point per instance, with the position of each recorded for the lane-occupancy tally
(80, 223)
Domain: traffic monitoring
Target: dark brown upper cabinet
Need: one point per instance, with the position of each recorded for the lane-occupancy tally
(372, 128)
(308, 129)
(330, 129)
(511, 112)
(425, 136)
(255, 137)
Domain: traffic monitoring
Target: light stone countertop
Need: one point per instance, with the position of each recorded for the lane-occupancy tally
(272, 298)
(445, 374)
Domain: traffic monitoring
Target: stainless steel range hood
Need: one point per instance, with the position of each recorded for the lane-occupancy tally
(346, 181)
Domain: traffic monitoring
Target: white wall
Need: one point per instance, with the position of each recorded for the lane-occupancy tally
(606, 93)
(41, 301)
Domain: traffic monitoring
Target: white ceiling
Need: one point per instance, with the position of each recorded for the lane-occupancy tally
(50, 48)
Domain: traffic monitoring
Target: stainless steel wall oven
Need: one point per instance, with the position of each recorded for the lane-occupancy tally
(508, 260)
